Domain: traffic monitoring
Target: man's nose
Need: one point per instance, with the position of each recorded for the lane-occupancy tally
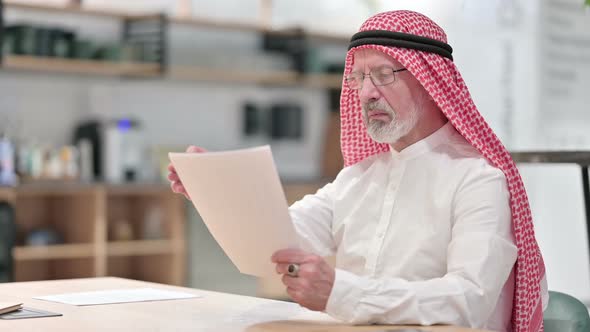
(369, 91)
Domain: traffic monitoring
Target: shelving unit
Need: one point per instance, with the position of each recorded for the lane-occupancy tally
(84, 216)
(191, 73)
(161, 69)
(83, 67)
(258, 77)
(57, 251)
(142, 247)
(32, 63)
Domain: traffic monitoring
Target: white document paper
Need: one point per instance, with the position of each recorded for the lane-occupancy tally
(240, 198)
(116, 296)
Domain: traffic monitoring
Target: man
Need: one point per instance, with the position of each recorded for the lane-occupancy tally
(429, 220)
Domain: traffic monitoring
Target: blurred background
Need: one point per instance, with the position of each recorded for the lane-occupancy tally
(95, 93)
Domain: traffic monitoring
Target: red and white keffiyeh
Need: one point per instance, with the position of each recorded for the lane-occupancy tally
(442, 80)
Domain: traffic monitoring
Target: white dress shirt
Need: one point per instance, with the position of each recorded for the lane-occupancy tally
(421, 236)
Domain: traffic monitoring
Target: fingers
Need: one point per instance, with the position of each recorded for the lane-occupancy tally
(312, 285)
(195, 149)
(289, 256)
(295, 294)
(173, 177)
(310, 269)
(299, 290)
(282, 268)
(175, 183)
(295, 283)
(177, 187)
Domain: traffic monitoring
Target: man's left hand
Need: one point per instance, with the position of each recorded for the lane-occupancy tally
(313, 284)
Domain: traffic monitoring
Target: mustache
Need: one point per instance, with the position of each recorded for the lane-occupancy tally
(377, 105)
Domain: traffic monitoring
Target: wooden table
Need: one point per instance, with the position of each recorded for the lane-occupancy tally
(211, 312)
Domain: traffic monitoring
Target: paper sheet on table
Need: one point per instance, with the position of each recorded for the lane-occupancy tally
(240, 198)
(9, 306)
(116, 296)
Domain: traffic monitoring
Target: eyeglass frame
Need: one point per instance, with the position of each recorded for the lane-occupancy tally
(393, 72)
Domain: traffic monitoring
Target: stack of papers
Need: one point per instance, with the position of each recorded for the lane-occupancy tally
(9, 307)
(240, 198)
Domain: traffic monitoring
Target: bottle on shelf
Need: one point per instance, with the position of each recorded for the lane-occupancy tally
(7, 156)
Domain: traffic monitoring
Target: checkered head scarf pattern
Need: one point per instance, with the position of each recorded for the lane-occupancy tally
(441, 79)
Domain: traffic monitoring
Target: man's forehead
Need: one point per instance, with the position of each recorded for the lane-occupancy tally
(368, 56)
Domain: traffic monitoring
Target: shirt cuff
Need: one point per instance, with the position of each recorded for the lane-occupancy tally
(346, 294)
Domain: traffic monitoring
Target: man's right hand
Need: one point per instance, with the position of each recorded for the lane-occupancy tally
(175, 182)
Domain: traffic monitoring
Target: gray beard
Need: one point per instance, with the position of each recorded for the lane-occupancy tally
(388, 132)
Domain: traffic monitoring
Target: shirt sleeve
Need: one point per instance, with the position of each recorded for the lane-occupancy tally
(312, 218)
(480, 257)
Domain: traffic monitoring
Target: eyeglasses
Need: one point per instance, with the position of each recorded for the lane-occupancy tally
(379, 76)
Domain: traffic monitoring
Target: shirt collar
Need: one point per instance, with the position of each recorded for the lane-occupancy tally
(427, 144)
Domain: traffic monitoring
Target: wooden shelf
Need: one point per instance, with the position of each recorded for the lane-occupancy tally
(84, 67)
(76, 10)
(194, 73)
(190, 73)
(137, 189)
(83, 214)
(58, 251)
(71, 188)
(55, 188)
(232, 76)
(333, 81)
(141, 247)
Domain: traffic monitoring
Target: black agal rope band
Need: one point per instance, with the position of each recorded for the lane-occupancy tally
(399, 39)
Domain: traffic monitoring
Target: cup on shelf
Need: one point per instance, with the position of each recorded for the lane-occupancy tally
(7, 168)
